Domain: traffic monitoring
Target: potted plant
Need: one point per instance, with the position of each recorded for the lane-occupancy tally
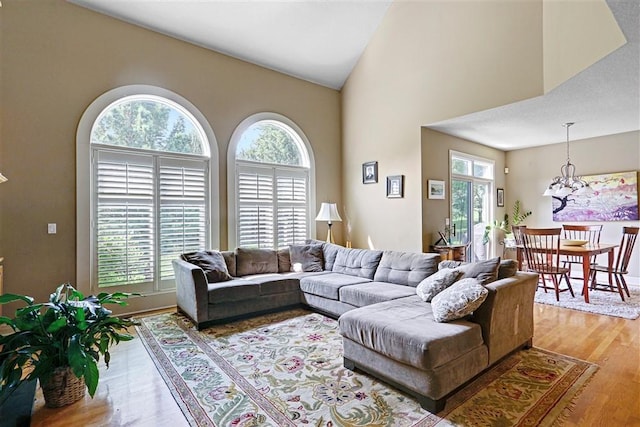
(518, 217)
(60, 342)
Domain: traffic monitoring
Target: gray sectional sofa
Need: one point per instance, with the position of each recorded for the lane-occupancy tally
(388, 330)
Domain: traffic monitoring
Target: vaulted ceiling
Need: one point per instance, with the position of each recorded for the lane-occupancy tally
(321, 41)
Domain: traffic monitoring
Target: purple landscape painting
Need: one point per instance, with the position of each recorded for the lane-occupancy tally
(615, 198)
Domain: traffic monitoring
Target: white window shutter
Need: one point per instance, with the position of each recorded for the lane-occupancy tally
(272, 205)
(124, 218)
(183, 210)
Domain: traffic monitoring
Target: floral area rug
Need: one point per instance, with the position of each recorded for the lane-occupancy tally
(600, 302)
(285, 369)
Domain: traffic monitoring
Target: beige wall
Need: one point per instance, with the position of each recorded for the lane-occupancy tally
(531, 170)
(435, 165)
(428, 61)
(566, 53)
(56, 59)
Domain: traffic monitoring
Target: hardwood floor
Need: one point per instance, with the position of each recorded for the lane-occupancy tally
(132, 392)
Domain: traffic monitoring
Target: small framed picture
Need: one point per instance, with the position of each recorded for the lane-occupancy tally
(395, 186)
(435, 189)
(500, 197)
(370, 172)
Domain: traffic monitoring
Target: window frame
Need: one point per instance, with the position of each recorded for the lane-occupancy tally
(308, 161)
(85, 178)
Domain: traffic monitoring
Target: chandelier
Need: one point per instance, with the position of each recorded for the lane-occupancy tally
(568, 183)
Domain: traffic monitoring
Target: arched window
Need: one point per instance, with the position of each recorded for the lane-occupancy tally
(270, 183)
(149, 187)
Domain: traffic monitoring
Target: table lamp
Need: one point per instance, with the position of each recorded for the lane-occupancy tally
(329, 212)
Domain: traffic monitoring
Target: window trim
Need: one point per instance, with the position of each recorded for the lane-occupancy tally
(84, 180)
(232, 197)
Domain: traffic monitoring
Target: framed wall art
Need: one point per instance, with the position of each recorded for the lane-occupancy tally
(370, 172)
(395, 186)
(435, 189)
(500, 197)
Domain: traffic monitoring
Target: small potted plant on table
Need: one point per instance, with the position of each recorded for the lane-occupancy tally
(60, 343)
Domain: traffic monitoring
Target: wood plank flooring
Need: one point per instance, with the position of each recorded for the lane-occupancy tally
(132, 392)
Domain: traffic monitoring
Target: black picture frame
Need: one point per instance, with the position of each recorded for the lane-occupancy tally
(395, 186)
(500, 197)
(370, 172)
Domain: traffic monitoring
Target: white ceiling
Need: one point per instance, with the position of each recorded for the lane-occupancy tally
(321, 41)
(318, 41)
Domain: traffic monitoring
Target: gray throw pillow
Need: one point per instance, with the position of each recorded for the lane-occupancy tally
(436, 283)
(212, 263)
(485, 271)
(458, 300)
(306, 257)
(284, 260)
(507, 268)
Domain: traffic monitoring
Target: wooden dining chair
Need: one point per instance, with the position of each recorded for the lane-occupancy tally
(629, 236)
(590, 233)
(517, 231)
(542, 254)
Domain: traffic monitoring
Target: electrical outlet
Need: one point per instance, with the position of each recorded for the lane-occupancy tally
(51, 228)
(446, 221)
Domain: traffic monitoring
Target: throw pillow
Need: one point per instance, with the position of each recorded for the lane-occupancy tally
(458, 300)
(284, 262)
(485, 271)
(212, 263)
(507, 268)
(436, 283)
(306, 257)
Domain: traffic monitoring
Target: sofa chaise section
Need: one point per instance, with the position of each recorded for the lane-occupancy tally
(400, 342)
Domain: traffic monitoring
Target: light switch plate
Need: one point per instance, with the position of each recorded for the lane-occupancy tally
(51, 228)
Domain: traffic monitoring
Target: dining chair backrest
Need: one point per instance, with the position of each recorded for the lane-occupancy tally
(629, 236)
(590, 233)
(517, 233)
(541, 248)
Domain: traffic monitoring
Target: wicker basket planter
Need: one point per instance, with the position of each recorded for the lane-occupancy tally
(63, 388)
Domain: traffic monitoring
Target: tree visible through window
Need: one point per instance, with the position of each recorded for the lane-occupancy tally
(272, 186)
(150, 186)
(148, 124)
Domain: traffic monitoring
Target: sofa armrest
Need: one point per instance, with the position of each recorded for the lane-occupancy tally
(506, 316)
(191, 290)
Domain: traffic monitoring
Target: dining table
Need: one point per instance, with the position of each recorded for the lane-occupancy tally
(585, 251)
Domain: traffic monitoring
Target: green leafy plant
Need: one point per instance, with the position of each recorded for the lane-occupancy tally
(518, 216)
(70, 330)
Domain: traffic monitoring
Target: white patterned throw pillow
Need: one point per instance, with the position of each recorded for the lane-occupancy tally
(458, 300)
(436, 283)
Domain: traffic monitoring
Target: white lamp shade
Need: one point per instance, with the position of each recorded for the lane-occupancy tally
(3, 178)
(549, 192)
(328, 212)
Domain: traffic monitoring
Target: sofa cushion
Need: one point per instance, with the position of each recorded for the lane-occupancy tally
(405, 268)
(275, 283)
(459, 300)
(328, 285)
(373, 292)
(404, 330)
(485, 271)
(211, 262)
(232, 290)
(357, 262)
(306, 257)
(329, 252)
(507, 268)
(284, 260)
(230, 260)
(436, 283)
(256, 261)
